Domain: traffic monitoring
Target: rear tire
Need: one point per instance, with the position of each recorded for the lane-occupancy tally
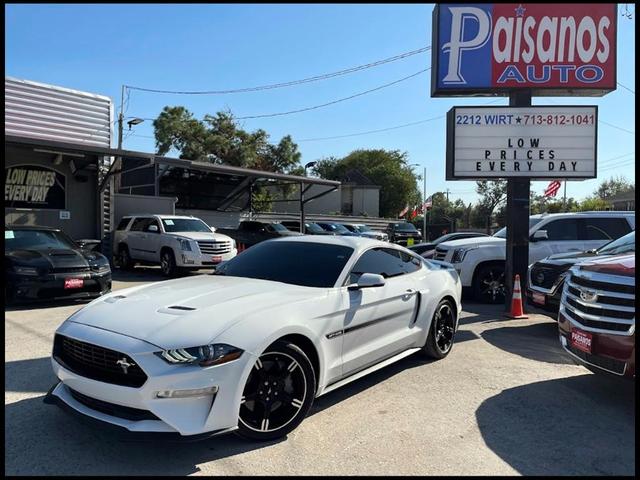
(278, 394)
(489, 285)
(442, 331)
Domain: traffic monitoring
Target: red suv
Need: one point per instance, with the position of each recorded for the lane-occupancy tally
(597, 317)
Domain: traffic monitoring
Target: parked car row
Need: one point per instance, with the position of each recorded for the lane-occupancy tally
(480, 261)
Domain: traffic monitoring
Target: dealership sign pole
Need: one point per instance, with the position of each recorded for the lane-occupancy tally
(520, 51)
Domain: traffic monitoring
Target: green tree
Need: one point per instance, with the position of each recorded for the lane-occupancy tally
(492, 193)
(386, 168)
(614, 186)
(219, 139)
(593, 203)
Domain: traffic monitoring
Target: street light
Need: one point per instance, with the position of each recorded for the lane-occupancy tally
(308, 165)
(135, 121)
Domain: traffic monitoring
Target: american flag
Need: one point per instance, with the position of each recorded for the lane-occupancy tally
(552, 189)
(428, 203)
(404, 211)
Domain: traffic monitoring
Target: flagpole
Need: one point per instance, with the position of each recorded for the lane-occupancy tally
(564, 198)
(424, 208)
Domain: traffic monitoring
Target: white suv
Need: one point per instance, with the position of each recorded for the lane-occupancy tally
(172, 241)
(480, 261)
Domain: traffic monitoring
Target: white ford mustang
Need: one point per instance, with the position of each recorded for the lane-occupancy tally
(249, 347)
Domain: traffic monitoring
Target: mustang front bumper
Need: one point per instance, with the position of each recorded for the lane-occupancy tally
(140, 409)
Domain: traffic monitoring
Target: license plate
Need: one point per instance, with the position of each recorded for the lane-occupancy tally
(409, 242)
(73, 283)
(216, 258)
(581, 340)
(538, 298)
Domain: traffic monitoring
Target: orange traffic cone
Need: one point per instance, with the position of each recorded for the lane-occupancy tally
(516, 301)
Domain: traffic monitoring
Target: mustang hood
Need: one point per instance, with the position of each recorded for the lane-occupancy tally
(207, 305)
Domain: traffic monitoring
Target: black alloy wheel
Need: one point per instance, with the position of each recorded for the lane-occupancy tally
(278, 394)
(442, 330)
(168, 263)
(489, 285)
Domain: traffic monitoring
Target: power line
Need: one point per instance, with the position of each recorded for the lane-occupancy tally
(290, 83)
(334, 101)
(605, 162)
(626, 88)
(617, 127)
(384, 129)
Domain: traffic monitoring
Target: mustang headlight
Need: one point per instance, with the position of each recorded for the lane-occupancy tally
(26, 271)
(204, 356)
(460, 253)
(185, 244)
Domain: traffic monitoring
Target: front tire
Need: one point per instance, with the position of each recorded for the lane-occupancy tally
(443, 328)
(125, 262)
(278, 394)
(489, 285)
(168, 263)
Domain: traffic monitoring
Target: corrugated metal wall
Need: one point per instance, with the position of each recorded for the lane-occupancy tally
(38, 110)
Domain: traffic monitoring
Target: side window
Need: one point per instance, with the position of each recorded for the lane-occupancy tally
(381, 261)
(563, 229)
(152, 221)
(605, 228)
(410, 263)
(139, 224)
(123, 223)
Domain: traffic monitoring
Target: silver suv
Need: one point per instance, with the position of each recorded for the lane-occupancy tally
(171, 241)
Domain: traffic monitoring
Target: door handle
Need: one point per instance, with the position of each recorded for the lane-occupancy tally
(411, 291)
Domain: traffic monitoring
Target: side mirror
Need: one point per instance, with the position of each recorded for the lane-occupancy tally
(539, 235)
(153, 229)
(368, 280)
(213, 229)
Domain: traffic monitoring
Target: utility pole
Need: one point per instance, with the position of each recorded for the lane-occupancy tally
(518, 193)
(424, 209)
(564, 198)
(447, 196)
(121, 119)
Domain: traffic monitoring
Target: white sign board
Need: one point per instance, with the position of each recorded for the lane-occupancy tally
(65, 215)
(550, 142)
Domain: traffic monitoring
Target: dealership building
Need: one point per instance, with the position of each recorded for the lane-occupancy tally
(61, 171)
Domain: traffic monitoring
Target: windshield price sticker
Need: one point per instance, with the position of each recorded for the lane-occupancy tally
(531, 142)
(168, 222)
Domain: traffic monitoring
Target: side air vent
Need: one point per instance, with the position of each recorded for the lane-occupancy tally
(181, 307)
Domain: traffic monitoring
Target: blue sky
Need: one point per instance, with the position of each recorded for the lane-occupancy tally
(97, 48)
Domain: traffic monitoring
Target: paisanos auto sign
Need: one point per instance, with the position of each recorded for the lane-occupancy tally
(553, 49)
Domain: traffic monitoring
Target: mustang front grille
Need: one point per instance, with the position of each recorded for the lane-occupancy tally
(97, 363)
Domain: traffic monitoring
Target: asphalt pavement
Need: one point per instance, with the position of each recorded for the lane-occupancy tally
(506, 401)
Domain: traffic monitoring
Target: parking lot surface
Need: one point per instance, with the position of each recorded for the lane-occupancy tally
(506, 401)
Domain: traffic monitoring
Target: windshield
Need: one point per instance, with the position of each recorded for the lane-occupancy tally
(184, 225)
(334, 227)
(364, 228)
(404, 227)
(502, 233)
(278, 227)
(36, 240)
(624, 244)
(314, 228)
(298, 263)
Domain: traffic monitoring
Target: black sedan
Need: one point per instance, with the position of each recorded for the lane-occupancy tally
(43, 263)
(427, 249)
(545, 278)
